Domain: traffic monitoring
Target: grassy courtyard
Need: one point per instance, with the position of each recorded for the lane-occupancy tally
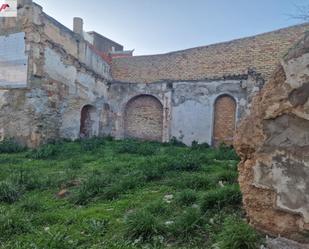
(101, 193)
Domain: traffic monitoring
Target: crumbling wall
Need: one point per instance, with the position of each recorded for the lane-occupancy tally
(20, 105)
(63, 75)
(119, 97)
(273, 142)
(193, 113)
(188, 106)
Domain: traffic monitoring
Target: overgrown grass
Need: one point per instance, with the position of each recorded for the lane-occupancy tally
(10, 146)
(227, 196)
(9, 193)
(143, 226)
(101, 193)
(186, 197)
(237, 234)
(44, 152)
(12, 223)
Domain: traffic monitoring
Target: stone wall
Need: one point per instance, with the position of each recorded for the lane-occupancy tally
(273, 142)
(188, 106)
(63, 75)
(261, 53)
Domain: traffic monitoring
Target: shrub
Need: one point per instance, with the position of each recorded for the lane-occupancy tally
(49, 219)
(185, 162)
(9, 160)
(10, 146)
(227, 176)
(96, 227)
(158, 208)
(148, 149)
(130, 181)
(186, 197)
(196, 146)
(9, 193)
(74, 164)
(91, 144)
(142, 225)
(188, 224)
(123, 185)
(27, 179)
(44, 152)
(111, 192)
(32, 205)
(69, 176)
(105, 186)
(225, 152)
(175, 142)
(91, 187)
(109, 138)
(57, 239)
(192, 181)
(133, 147)
(13, 223)
(237, 234)
(152, 172)
(130, 147)
(219, 198)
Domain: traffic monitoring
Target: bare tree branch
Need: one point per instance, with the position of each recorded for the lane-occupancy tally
(302, 13)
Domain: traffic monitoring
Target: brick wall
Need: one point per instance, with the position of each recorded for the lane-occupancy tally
(144, 118)
(224, 124)
(261, 52)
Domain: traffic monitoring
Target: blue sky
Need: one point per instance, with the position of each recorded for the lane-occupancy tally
(160, 26)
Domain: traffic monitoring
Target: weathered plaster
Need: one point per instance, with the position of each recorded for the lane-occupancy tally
(65, 74)
(193, 108)
(273, 142)
(288, 176)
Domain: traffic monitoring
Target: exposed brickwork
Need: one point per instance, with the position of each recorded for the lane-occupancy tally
(261, 52)
(224, 125)
(144, 118)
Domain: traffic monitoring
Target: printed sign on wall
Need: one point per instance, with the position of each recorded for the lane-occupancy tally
(8, 8)
(13, 61)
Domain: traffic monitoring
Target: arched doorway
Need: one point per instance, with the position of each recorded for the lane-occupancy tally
(224, 120)
(88, 121)
(144, 118)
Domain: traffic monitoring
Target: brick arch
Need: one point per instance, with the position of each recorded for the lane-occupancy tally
(143, 118)
(88, 120)
(224, 120)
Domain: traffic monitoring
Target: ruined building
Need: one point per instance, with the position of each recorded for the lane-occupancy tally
(59, 83)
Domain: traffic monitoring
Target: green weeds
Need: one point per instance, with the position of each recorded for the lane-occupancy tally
(121, 195)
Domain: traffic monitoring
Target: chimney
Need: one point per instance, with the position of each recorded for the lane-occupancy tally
(78, 24)
(24, 2)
